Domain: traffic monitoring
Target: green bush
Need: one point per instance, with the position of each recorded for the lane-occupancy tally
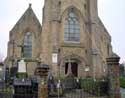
(122, 82)
(98, 87)
(21, 75)
(6, 89)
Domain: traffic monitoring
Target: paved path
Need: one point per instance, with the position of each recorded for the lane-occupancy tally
(122, 93)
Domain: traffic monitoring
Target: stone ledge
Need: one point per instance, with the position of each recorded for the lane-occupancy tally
(78, 45)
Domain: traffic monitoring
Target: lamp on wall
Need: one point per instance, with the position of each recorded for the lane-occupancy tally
(87, 69)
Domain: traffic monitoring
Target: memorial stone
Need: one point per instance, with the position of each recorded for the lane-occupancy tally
(51, 85)
(22, 67)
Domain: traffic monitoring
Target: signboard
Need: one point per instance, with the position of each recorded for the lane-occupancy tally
(22, 66)
(55, 58)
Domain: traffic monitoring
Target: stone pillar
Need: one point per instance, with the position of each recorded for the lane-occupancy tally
(42, 90)
(113, 74)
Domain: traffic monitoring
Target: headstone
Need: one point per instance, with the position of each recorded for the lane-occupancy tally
(51, 85)
(22, 66)
(23, 88)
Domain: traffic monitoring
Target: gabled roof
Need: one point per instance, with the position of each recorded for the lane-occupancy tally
(27, 19)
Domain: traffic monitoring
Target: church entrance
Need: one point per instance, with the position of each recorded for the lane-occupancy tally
(74, 68)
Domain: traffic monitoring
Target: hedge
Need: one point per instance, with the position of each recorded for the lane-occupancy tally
(98, 87)
(122, 82)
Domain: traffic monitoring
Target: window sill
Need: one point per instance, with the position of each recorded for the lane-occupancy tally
(72, 44)
(27, 59)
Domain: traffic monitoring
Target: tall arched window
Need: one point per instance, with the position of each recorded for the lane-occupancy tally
(71, 27)
(27, 45)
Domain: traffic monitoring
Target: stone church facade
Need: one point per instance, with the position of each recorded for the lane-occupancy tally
(70, 28)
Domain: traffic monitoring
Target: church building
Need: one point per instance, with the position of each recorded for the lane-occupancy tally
(71, 32)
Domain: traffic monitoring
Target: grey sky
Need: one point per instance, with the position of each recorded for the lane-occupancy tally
(110, 12)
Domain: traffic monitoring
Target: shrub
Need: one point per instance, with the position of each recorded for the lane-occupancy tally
(21, 75)
(122, 82)
(98, 87)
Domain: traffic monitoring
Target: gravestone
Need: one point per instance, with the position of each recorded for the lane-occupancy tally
(22, 66)
(23, 88)
(22, 69)
(51, 85)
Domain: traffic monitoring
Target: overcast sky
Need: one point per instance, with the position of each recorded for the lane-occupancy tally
(110, 12)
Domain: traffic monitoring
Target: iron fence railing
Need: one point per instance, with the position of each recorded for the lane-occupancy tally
(25, 96)
(85, 88)
(74, 93)
(6, 91)
(6, 95)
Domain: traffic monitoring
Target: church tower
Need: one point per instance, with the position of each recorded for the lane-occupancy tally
(72, 30)
(66, 31)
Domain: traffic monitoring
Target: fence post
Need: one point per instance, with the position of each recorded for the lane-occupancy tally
(113, 74)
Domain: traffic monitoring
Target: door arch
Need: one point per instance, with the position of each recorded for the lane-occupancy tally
(77, 63)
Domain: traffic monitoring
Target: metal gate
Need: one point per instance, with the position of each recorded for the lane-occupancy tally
(85, 88)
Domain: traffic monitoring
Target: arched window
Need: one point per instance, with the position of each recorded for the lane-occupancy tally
(71, 27)
(27, 45)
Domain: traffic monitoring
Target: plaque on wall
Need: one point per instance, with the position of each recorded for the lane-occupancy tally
(22, 66)
(55, 58)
